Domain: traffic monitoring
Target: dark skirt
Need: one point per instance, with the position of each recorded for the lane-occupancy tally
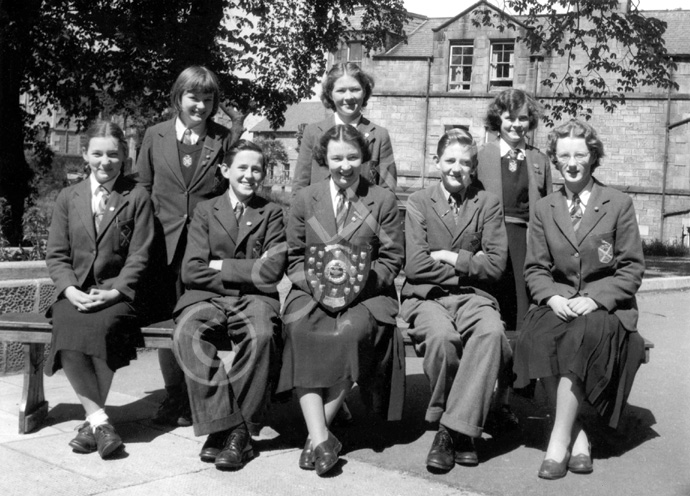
(111, 334)
(323, 349)
(595, 347)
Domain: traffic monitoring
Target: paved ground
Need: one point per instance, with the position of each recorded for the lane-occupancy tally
(648, 456)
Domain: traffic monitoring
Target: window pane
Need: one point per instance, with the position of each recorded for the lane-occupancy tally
(460, 67)
(355, 51)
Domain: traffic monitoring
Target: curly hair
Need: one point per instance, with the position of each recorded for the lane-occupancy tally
(197, 79)
(340, 70)
(576, 129)
(340, 132)
(512, 101)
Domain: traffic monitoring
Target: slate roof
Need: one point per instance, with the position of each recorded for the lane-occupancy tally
(302, 113)
(420, 42)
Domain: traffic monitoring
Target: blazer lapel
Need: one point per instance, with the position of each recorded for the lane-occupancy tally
(226, 217)
(250, 221)
(322, 221)
(561, 217)
(82, 201)
(442, 209)
(117, 201)
(170, 152)
(594, 212)
(467, 212)
(367, 129)
(360, 210)
(212, 145)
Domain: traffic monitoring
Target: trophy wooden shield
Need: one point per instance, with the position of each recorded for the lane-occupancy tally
(337, 273)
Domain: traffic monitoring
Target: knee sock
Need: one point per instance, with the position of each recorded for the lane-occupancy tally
(99, 417)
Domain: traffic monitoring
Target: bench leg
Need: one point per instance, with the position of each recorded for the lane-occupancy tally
(34, 408)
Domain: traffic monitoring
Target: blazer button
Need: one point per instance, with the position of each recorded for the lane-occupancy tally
(576, 255)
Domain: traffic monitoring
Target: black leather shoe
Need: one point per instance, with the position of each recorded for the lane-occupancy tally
(551, 469)
(237, 450)
(582, 463)
(107, 440)
(502, 420)
(306, 458)
(174, 410)
(85, 442)
(215, 442)
(465, 452)
(326, 454)
(441, 455)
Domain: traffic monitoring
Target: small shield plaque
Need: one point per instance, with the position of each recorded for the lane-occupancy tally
(337, 272)
(605, 252)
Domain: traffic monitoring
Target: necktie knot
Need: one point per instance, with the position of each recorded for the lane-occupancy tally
(576, 211)
(100, 206)
(239, 210)
(341, 210)
(187, 137)
(455, 200)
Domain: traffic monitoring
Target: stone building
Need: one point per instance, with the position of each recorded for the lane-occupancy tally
(450, 69)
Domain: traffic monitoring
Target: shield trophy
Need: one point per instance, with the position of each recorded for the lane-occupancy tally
(337, 273)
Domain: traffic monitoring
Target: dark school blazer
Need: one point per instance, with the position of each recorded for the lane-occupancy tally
(373, 219)
(380, 169)
(430, 226)
(253, 253)
(603, 261)
(538, 173)
(158, 169)
(117, 256)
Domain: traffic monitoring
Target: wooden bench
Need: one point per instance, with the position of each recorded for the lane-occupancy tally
(34, 332)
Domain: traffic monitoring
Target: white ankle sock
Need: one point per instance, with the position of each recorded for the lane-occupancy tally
(99, 417)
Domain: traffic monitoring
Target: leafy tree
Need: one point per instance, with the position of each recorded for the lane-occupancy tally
(275, 153)
(609, 52)
(85, 55)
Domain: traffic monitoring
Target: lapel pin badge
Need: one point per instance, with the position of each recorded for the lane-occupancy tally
(249, 223)
(112, 208)
(596, 209)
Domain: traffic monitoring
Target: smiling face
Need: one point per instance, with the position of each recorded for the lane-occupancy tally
(245, 173)
(344, 162)
(105, 158)
(514, 126)
(195, 108)
(456, 166)
(574, 162)
(348, 97)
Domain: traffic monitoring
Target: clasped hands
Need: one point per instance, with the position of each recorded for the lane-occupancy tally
(95, 299)
(567, 309)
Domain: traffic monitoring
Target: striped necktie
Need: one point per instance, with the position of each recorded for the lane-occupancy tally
(239, 210)
(341, 210)
(455, 201)
(100, 208)
(576, 211)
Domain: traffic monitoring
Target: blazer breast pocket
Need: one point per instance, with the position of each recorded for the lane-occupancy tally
(125, 229)
(601, 248)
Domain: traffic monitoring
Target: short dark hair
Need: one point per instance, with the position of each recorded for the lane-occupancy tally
(340, 132)
(339, 70)
(511, 101)
(105, 129)
(197, 79)
(576, 129)
(245, 145)
(461, 137)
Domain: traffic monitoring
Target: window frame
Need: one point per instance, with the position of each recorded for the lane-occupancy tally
(462, 44)
(345, 47)
(497, 82)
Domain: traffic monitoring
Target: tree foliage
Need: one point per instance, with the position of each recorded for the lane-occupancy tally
(123, 55)
(609, 52)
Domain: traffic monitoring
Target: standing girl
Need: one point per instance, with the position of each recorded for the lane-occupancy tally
(346, 90)
(332, 342)
(98, 248)
(178, 165)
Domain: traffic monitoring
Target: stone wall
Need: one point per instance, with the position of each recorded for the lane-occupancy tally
(24, 287)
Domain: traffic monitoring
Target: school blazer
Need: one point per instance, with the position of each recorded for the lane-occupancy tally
(380, 169)
(603, 261)
(430, 226)
(538, 173)
(117, 256)
(254, 254)
(373, 220)
(158, 169)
